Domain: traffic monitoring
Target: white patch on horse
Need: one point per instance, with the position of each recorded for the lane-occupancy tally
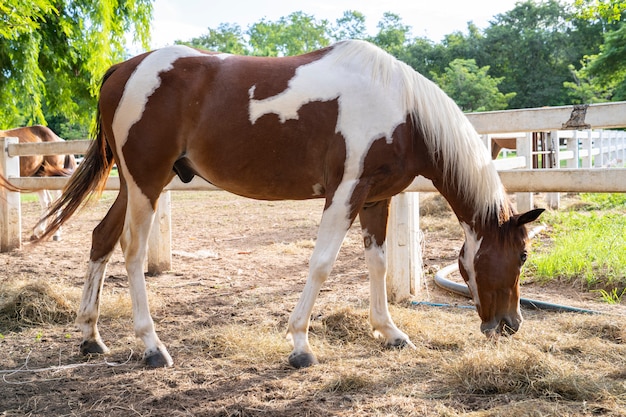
(472, 246)
(141, 85)
(143, 82)
(368, 109)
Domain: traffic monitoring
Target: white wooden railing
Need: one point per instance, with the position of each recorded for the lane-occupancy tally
(404, 253)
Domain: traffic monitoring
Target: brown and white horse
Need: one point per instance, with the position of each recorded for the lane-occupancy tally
(42, 166)
(348, 123)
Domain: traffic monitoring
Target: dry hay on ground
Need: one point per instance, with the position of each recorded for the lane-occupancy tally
(224, 317)
(33, 304)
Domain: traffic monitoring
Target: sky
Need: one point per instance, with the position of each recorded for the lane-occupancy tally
(186, 19)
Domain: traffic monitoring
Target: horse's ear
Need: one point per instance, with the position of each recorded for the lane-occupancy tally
(529, 216)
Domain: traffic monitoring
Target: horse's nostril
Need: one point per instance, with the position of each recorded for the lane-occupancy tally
(508, 327)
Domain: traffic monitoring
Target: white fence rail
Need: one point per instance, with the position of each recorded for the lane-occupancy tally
(404, 253)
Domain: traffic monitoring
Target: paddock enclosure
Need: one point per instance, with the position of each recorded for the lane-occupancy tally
(224, 312)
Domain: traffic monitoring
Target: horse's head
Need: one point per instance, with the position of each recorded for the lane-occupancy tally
(490, 263)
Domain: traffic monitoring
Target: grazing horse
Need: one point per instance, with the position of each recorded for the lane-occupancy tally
(348, 123)
(497, 144)
(42, 166)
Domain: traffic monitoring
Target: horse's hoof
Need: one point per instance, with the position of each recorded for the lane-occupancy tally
(158, 359)
(401, 344)
(302, 360)
(93, 347)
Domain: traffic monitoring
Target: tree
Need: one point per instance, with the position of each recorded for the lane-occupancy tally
(603, 76)
(471, 87)
(428, 58)
(392, 35)
(351, 25)
(532, 47)
(423, 56)
(227, 37)
(608, 66)
(53, 54)
(609, 10)
(586, 88)
(294, 34)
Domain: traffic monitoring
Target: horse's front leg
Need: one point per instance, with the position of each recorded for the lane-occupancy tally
(373, 218)
(336, 221)
(134, 242)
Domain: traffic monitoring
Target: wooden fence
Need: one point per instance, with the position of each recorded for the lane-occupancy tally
(404, 253)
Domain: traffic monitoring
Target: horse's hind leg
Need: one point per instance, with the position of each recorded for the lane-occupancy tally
(373, 220)
(46, 198)
(53, 196)
(104, 238)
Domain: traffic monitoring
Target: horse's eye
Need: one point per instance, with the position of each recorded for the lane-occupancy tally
(523, 256)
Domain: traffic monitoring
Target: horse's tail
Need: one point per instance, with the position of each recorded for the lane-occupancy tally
(89, 178)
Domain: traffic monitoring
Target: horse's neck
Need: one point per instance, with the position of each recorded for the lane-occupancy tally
(469, 215)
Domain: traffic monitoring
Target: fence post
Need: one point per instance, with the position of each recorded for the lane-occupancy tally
(588, 147)
(552, 144)
(572, 145)
(160, 239)
(599, 161)
(10, 207)
(525, 149)
(404, 252)
(621, 142)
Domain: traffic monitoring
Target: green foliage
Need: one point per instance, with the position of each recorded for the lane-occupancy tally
(53, 55)
(392, 34)
(530, 56)
(585, 248)
(585, 88)
(608, 65)
(23, 16)
(226, 37)
(532, 47)
(350, 26)
(471, 87)
(294, 34)
(610, 10)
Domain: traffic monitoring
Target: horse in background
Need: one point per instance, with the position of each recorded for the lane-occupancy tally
(42, 166)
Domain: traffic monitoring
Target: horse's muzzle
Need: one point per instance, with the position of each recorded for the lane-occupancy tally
(505, 326)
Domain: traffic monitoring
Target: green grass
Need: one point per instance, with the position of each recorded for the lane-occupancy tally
(584, 247)
(605, 201)
(28, 197)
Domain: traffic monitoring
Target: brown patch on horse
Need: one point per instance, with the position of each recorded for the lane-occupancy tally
(239, 163)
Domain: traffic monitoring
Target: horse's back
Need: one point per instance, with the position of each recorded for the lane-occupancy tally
(32, 134)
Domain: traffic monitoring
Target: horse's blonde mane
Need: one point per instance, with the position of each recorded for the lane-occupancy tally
(450, 137)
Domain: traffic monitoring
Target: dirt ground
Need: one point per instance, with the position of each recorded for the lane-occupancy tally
(239, 267)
